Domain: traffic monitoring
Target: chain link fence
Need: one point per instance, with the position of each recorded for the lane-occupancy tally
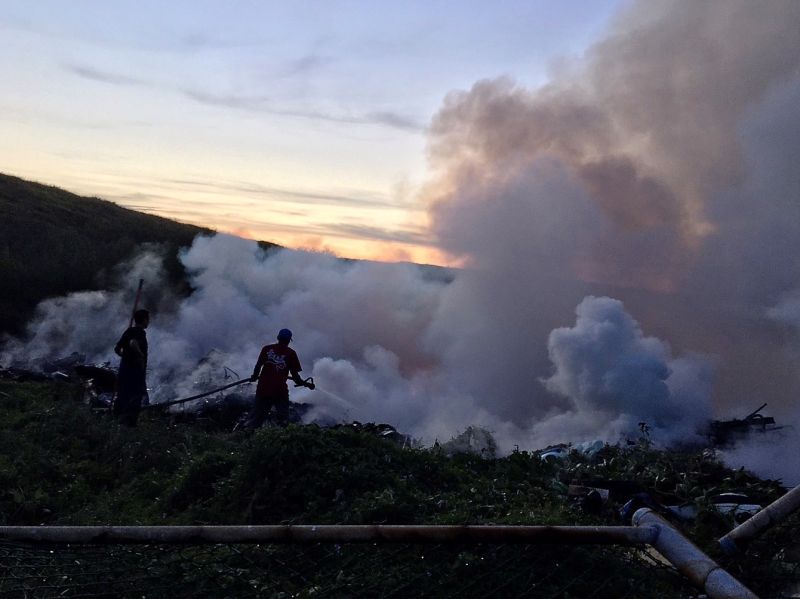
(335, 570)
(770, 565)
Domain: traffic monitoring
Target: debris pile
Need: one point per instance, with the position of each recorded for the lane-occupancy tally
(724, 433)
(384, 431)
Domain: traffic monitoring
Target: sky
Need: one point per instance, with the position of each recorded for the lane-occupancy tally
(302, 123)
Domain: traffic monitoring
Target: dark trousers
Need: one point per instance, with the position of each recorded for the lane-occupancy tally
(131, 392)
(127, 406)
(261, 409)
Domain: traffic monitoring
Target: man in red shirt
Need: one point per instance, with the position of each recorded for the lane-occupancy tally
(276, 363)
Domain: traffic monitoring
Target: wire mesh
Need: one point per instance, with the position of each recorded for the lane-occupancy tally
(333, 570)
(770, 565)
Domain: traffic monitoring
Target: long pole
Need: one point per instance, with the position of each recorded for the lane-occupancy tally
(136, 301)
(174, 402)
(308, 533)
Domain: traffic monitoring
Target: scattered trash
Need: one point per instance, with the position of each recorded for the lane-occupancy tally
(581, 491)
(737, 505)
(385, 431)
(562, 450)
(554, 452)
(590, 500)
(724, 433)
(63, 364)
(589, 448)
(99, 384)
(474, 440)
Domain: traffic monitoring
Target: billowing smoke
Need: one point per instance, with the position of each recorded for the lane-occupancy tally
(84, 322)
(658, 169)
(770, 456)
(606, 366)
(378, 340)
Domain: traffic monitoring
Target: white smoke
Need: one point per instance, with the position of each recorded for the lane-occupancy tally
(770, 455)
(660, 168)
(606, 366)
(83, 322)
(372, 335)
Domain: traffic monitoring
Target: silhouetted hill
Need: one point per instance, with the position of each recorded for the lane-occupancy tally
(53, 242)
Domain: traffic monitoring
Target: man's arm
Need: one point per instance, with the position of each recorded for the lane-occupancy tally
(295, 376)
(119, 348)
(258, 366)
(298, 380)
(137, 352)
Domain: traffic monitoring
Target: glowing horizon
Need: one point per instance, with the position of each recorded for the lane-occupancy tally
(303, 125)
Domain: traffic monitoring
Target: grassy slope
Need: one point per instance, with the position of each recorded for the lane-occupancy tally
(53, 242)
(62, 464)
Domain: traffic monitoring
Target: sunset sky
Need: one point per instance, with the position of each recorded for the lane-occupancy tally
(302, 123)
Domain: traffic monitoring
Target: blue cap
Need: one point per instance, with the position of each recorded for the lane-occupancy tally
(284, 334)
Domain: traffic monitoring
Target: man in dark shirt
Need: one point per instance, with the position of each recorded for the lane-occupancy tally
(276, 363)
(131, 384)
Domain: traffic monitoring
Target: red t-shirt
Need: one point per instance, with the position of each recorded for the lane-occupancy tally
(278, 362)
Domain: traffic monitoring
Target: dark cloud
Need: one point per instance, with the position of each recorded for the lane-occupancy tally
(93, 74)
(306, 64)
(202, 40)
(363, 200)
(263, 104)
(359, 231)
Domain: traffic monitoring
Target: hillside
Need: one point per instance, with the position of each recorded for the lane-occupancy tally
(53, 242)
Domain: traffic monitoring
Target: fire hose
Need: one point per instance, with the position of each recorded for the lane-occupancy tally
(309, 382)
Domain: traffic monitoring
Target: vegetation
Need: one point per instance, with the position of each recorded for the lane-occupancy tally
(61, 463)
(53, 242)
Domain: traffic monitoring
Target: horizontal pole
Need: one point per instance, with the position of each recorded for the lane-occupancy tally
(175, 402)
(774, 513)
(307, 533)
(690, 561)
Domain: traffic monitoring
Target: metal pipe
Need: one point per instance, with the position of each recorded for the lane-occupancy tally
(700, 569)
(775, 512)
(571, 535)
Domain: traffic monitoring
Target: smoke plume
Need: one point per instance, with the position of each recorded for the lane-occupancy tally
(659, 169)
(606, 366)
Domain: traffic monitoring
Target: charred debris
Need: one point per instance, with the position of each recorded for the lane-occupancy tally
(724, 433)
